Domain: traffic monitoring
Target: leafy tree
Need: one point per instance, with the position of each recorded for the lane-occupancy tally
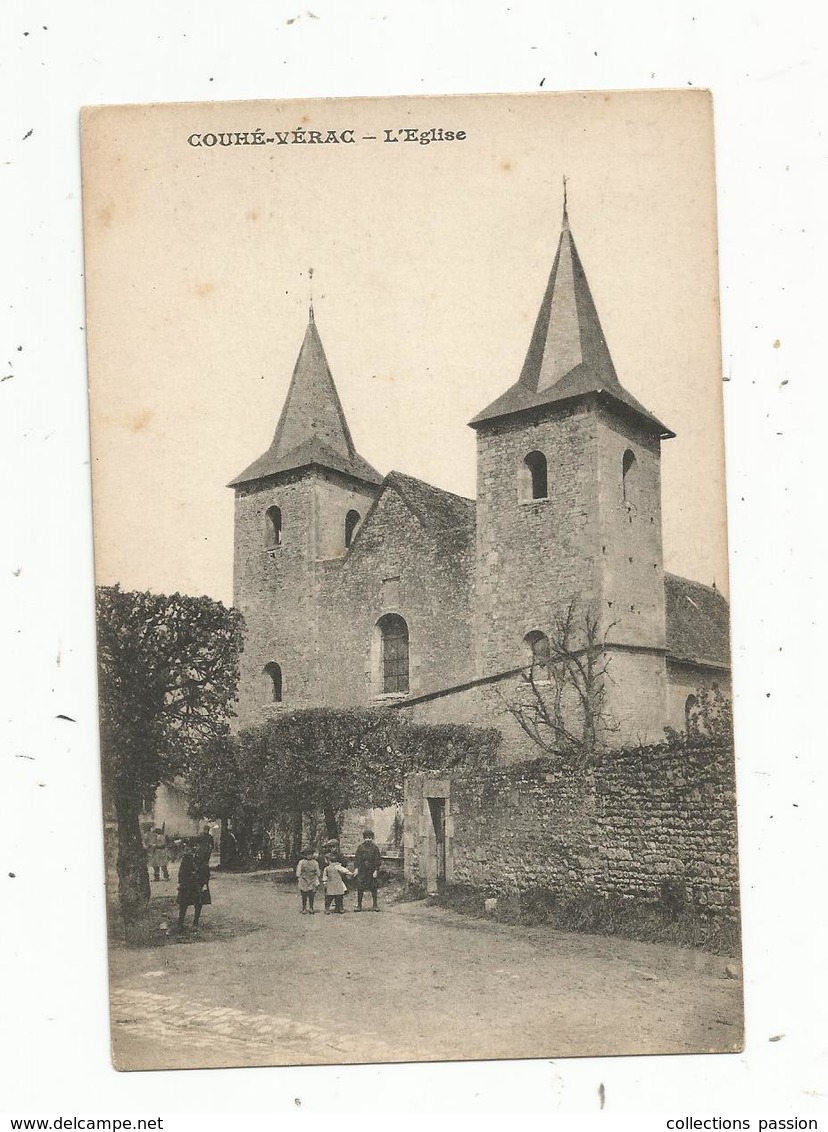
(332, 759)
(560, 702)
(213, 781)
(168, 671)
(214, 790)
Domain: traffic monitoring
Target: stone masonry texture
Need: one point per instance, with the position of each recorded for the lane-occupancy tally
(595, 539)
(312, 605)
(647, 820)
(277, 588)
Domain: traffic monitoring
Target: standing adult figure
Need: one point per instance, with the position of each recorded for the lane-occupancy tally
(157, 856)
(367, 861)
(193, 886)
(228, 848)
(146, 840)
(206, 844)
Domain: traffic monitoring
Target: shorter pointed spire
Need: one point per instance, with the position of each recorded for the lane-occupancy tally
(312, 428)
(312, 408)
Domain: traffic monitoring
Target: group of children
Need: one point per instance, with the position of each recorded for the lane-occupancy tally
(330, 870)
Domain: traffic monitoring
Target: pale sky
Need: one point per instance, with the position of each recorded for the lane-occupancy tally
(429, 261)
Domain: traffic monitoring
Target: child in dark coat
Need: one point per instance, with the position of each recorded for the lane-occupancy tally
(193, 886)
(367, 861)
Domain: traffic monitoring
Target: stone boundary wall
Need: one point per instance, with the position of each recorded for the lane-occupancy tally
(654, 825)
(670, 816)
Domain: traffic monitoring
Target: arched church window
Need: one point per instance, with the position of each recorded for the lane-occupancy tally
(534, 477)
(393, 652)
(351, 524)
(273, 676)
(537, 647)
(691, 723)
(629, 477)
(273, 526)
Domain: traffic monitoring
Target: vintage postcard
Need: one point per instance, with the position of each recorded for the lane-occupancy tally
(412, 583)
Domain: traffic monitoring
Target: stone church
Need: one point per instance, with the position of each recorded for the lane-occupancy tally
(364, 589)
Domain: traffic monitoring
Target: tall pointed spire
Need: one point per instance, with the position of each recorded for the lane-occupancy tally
(312, 428)
(567, 332)
(568, 355)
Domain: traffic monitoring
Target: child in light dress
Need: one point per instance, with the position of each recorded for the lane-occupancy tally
(307, 873)
(335, 887)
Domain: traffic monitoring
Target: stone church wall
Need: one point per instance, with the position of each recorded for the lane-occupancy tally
(277, 588)
(629, 722)
(631, 572)
(273, 587)
(629, 530)
(533, 556)
(395, 566)
(482, 706)
(636, 697)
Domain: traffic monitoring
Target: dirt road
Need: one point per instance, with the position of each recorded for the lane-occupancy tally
(263, 985)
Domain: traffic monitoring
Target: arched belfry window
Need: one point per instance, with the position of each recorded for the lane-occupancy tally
(629, 477)
(273, 681)
(393, 653)
(537, 647)
(534, 477)
(351, 524)
(273, 526)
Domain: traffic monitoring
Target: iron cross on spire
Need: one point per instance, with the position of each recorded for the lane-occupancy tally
(310, 293)
(565, 222)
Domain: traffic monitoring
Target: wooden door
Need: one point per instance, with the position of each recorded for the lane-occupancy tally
(438, 820)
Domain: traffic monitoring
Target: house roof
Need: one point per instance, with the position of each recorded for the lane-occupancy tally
(312, 428)
(568, 355)
(698, 622)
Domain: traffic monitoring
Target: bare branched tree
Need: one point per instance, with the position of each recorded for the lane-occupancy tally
(560, 702)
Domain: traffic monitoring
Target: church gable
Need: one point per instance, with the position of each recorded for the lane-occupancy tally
(409, 513)
(411, 561)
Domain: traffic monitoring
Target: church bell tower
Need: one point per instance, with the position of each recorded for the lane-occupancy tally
(297, 506)
(569, 506)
